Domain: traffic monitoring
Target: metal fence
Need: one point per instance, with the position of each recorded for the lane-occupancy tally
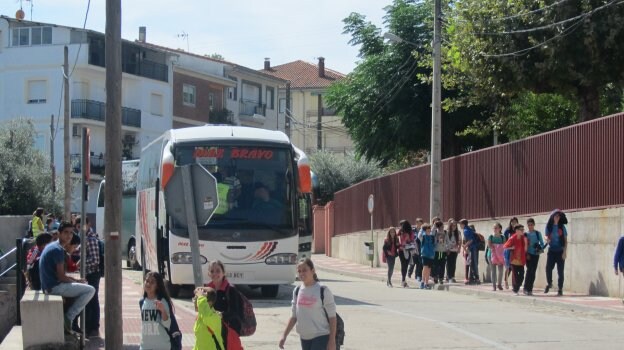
(577, 167)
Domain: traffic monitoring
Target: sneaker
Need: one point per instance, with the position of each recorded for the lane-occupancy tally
(547, 289)
(477, 282)
(559, 292)
(500, 287)
(530, 294)
(435, 281)
(524, 291)
(422, 285)
(516, 294)
(94, 333)
(404, 284)
(467, 282)
(453, 280)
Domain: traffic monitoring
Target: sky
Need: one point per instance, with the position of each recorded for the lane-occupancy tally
(242, 31)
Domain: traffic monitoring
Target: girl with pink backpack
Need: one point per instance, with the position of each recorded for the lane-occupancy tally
(496, 251)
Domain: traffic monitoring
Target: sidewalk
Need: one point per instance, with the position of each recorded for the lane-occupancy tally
(569, 301)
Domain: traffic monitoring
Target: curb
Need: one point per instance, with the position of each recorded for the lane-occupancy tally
(526, 300)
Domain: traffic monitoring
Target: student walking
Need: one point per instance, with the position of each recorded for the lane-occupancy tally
(535, 247)
(390, 251)
(618, 259)
(453, 247)
(439, 261)
(313, 311)
(471, 244)
(496, 243)
(229, 301)
(556, 239)
(517, 244)
(427, 253)
(407, 246)
(509, 231)
(208, 325)
(415, 265)
(155, 314)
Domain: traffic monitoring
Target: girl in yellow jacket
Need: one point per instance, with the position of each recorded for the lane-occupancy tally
(208, 323)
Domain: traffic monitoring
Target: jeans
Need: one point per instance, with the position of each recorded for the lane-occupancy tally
(390, 260)
(92, 310)
(497, 278)
(552, 259)
(474, 263)
(531, 265)
(80, 291)
(318, 343)
(517, 277)
(451, 264)
(404, 264)
(415, 262)
(439, 264)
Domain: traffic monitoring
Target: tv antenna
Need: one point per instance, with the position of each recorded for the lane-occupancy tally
(185, 36)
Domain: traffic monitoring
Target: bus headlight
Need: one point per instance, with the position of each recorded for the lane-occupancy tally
(186, 258)
(281, 259)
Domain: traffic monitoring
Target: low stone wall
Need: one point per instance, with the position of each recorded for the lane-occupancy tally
(592, 237)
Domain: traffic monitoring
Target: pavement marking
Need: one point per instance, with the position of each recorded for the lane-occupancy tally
(445, 324)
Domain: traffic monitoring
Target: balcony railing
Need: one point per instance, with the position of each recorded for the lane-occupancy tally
(148, 69)
(96, 110)
(97, 164)
(248, 107)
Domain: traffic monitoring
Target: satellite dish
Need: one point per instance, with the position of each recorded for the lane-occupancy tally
(20, 14)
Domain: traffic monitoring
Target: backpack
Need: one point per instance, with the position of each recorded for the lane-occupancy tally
(480, 241)
(247, 318)
(340, 332)
(175, 336)
(101, 248)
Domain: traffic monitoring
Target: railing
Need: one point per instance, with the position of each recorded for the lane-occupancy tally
(98, 164)
(96, 110)
(248, 107)
(148, 69)
(18, 264)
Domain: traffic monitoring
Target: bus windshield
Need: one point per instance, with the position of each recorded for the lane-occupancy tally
(255, 186)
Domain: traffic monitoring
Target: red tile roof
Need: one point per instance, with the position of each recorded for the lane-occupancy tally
(304, 75)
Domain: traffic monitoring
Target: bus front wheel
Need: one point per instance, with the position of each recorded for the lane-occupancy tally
(172, 289)
(269, 291)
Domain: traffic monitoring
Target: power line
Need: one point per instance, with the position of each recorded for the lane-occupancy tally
(548, 26)
(564, 33)
(522, 13)
(84, 26)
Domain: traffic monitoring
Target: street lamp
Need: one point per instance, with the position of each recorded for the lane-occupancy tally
(435, 185)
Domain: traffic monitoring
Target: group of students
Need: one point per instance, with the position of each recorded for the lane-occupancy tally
(220, 316)
(431, 251)
(54, 254)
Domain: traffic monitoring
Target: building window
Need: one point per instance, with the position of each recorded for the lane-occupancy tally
(36, 91)
(188, 95)
(233, 91)
(156, 102)
(211, 101)
(270, 97)
(31, 36)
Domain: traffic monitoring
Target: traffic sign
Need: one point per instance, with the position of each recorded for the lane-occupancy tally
(371, 203)
(204, 187)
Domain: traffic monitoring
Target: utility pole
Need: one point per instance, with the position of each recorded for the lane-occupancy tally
(52, 168)
(112, 201)
(287, 121)
(319, 125)
(435, 199)
(66, 130)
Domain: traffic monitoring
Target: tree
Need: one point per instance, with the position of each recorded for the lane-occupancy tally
(573, 48)
(216, 56)
(25, 175)
(385, 103)
(335, 173)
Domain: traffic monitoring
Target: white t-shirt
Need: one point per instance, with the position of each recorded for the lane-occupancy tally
(308, 310)
(153, 333)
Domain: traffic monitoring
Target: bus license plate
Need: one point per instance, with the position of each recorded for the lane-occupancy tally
(237, 275)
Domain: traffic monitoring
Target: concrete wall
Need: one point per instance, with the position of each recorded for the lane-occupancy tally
(592, 234)
(12, 227)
